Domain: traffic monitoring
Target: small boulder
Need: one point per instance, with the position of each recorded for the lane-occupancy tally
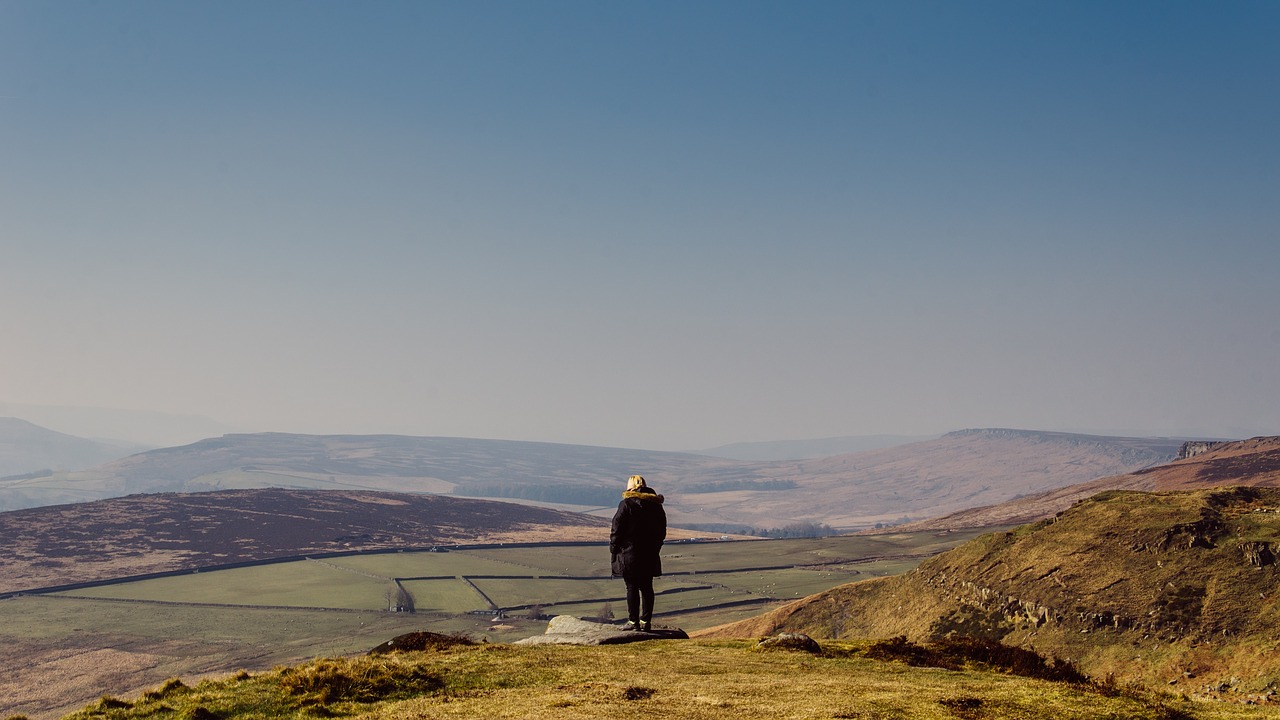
(790, 641)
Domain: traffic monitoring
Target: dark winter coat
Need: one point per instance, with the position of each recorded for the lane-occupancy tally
(639, 528)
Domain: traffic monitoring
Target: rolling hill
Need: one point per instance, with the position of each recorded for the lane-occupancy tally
(806, 449)
(26, 448)
(1173, 588)
(1254, 462)
(163, 532)
(141, 429)
(852, 491)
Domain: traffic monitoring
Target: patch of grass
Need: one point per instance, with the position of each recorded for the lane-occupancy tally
(323, 682)
(635, 692)
(107, 703)
(449, 596)
(546, 590)
(956, 653)
(170, 687)
(963, 707)
(296, 584)
(431, 564)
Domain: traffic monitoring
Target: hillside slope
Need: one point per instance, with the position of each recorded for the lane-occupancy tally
(1160, 588)
(930, 478)
(1254, 462)
(959, 470)
(29, 448)
(806, 449)
(162, 532)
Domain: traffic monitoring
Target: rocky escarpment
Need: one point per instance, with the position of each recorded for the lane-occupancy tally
(1192, 448)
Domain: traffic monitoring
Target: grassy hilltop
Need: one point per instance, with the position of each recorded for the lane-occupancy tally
(1165, 589)
(685, 680)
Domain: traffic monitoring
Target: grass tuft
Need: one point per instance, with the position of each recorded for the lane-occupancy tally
(170, 687)
(900, 649)
(106, 703)
(963, 707)
(357, 680)
(636, 692)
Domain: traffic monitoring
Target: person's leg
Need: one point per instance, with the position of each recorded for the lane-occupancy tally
(646, 601)
(633, 599)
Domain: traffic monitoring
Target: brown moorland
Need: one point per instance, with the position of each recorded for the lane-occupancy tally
(162, 532)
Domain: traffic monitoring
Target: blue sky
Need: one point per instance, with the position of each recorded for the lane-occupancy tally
(662, 225)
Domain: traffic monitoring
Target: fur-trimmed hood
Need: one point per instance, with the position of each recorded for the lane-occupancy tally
(646, 494)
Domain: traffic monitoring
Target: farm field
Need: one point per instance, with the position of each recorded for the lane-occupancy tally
(444, 595)
(709, 556)
(553, 577)
(295, 584)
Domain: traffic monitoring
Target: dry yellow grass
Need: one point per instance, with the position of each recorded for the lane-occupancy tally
(661, 680)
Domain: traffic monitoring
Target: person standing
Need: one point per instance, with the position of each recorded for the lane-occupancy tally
(639, 529)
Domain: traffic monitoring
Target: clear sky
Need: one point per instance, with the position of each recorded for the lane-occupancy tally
(664, 225)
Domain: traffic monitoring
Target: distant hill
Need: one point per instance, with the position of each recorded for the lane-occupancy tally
(1201, 464)
(565, 474)
(167, 531)
(807, 449)
(1163, 589)
(27, 448)
(917, 480)
(139, 429)
(961, 469)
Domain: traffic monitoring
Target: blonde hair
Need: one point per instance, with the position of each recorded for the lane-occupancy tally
(635, 481)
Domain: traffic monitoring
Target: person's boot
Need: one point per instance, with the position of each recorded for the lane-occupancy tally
(645, 626)
(631, 625)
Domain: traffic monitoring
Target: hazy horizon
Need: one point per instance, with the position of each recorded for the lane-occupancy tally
(662, 226)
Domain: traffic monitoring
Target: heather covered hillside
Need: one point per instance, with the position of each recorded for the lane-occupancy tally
(169, 531)
(30, 450)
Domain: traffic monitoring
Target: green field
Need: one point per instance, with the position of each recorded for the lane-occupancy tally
(563, 579)
(295, 584)
(427, 564)
(445, 596)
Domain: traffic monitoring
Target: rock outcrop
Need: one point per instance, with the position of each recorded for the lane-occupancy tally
(568, 630)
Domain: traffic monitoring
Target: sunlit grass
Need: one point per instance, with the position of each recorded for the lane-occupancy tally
(670, 679)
